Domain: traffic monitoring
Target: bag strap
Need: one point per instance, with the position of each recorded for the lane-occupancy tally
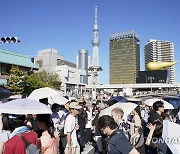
(138, 139)
(24, 140)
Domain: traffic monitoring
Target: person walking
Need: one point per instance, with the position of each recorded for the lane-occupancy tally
(5, 132)
(118, 143)
(49, 139)
(88, 126)
(158, 109)
(117, 114)
(16, 145)
(70, 127)
(137, 136)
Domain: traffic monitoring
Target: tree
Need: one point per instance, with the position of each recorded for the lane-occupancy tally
(21, 83)
(31, 83)
(16, 80)
(41, 79)
(52, 79)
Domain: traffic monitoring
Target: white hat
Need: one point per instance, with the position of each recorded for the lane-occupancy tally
(74, 105)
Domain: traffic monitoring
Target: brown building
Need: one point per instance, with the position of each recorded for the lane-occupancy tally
(124, 57)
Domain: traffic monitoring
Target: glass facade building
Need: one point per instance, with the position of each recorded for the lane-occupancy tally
(124, 57)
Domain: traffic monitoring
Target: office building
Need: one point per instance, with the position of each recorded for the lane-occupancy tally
(124, 57)
(72, 78)
(160, 51)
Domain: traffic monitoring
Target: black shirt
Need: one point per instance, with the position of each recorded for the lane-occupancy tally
(155, 116)
(118, 143)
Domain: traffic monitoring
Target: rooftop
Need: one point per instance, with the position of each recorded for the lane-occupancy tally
(123, 35)
(10, 57)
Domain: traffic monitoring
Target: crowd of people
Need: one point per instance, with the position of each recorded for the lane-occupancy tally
(77, 124)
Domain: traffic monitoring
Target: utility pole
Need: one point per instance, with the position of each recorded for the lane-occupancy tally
(161, 81)
(151, 78)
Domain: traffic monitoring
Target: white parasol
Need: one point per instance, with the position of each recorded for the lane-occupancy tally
(126, 107)
(24, 106)
(15, 97)
(43, 93)
(151, 101)
(58, 100)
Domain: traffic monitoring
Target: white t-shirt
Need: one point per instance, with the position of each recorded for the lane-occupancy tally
(69, 127)
(4, 135)
(56, 120)
(144, 115)
(89, 119)
(62, 116)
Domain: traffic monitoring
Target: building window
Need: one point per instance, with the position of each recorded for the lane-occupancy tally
(82, 79)
(70, 74)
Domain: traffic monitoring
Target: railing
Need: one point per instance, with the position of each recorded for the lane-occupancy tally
(154, 94)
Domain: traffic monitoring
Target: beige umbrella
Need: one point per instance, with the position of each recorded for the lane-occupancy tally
(151, 101)
(58, 100)
(24, 106)
(43, 93)
(126, 107)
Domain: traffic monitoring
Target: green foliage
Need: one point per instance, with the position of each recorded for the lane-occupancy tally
(32, 82)
(41, 79)
(52, 79)
(16, 81)
(21, 83)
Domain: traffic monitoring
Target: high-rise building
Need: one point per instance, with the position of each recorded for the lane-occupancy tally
(160, 51)
(83, 62)
(124, 57)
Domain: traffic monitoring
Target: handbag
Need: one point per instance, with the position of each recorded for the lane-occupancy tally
(137, 139)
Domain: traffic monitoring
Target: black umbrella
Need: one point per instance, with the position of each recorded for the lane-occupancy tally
(4, 93)
(116, 99)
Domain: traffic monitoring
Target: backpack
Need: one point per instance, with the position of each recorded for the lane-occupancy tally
(30, 147)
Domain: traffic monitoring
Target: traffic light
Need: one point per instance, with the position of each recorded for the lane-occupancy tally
(9, 40)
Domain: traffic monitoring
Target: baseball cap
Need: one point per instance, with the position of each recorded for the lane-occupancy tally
(74, 105)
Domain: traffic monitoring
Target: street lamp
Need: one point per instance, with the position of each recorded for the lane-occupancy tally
(161, 81)
(151, 78)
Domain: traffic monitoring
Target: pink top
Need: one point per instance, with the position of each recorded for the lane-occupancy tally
(49, 145)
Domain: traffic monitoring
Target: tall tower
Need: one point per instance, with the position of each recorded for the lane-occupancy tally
(124, 57)
(95, 68)
(157, 51)
(95, 42)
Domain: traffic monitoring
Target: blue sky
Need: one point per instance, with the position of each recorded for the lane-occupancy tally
(67, 25)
